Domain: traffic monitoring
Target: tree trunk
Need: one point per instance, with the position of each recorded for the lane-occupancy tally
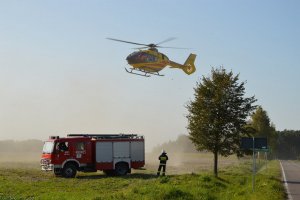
(216, 164)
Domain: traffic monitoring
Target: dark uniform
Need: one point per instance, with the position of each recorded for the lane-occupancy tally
(62, 146)
(162, 163)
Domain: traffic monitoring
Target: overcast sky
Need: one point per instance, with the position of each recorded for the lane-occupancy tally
(59, 74)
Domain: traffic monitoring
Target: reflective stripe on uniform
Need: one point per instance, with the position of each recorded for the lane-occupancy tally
(163, 158)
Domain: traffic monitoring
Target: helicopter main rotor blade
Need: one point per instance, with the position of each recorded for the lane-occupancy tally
(166, 40)
(140, 48)
(149, 45)
(173, 47)
(127, 41)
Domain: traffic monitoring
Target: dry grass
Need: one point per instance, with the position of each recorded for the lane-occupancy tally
(183, 163)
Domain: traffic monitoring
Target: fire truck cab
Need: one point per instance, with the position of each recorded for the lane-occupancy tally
(114, 154)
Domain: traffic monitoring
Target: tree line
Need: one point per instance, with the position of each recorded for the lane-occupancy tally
(288, 144)
(284, 145)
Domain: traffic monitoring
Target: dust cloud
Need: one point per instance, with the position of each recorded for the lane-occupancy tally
(185, 163)
(78, 102)
(183, 158)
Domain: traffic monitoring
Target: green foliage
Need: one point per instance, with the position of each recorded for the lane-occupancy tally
(262, 126)
(283, 144)
(164, 179)
(261, 122)
(176, 193)
(234, 183)
(217, 115)
(288, 144)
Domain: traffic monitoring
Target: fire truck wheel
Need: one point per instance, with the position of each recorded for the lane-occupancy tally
(69, 171)
(121, 169)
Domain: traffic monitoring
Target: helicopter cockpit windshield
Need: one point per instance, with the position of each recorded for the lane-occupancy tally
(141, 57)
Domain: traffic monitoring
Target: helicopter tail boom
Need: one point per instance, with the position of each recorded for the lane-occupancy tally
(188, 67)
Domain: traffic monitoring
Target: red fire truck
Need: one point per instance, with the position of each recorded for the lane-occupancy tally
(114, 154)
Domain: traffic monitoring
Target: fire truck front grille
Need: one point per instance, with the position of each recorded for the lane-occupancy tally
(46, 165)
(45, 161)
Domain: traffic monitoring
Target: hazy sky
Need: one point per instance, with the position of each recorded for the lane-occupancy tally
(60, 75)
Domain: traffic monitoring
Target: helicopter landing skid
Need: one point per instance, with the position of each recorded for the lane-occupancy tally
(147, 74)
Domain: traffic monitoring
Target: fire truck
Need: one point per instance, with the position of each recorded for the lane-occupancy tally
(114, 154)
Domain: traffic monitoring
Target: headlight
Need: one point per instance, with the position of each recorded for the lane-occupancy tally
(45, 161)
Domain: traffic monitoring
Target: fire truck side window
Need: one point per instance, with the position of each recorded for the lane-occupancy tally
(80, 146)
(62, 146)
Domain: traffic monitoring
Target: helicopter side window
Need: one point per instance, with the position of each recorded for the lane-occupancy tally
(143, 57)
(150, 58)
(134, 57)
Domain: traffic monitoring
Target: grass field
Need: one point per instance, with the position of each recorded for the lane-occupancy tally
(24, 180)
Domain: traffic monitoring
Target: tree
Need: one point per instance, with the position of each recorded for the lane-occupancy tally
(260, 122)
(288, 144)
(217, 115)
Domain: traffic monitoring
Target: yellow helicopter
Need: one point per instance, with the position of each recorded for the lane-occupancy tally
(149, 62)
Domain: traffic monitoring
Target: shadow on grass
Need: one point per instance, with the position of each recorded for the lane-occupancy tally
(222, 179)
(129, 176)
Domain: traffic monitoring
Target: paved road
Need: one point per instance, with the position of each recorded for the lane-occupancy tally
(291, 176)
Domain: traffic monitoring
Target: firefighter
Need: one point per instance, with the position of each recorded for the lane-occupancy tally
(62, 146)
(162, 162)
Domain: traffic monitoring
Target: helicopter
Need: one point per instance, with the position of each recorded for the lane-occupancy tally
(149, 61)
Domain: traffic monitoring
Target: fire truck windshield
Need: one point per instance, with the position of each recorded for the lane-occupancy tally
(48, 147)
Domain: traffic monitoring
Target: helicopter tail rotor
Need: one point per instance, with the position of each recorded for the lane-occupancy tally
(189, 66)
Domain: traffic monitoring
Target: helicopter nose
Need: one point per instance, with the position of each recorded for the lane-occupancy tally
(129, 59)
(132, 58)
